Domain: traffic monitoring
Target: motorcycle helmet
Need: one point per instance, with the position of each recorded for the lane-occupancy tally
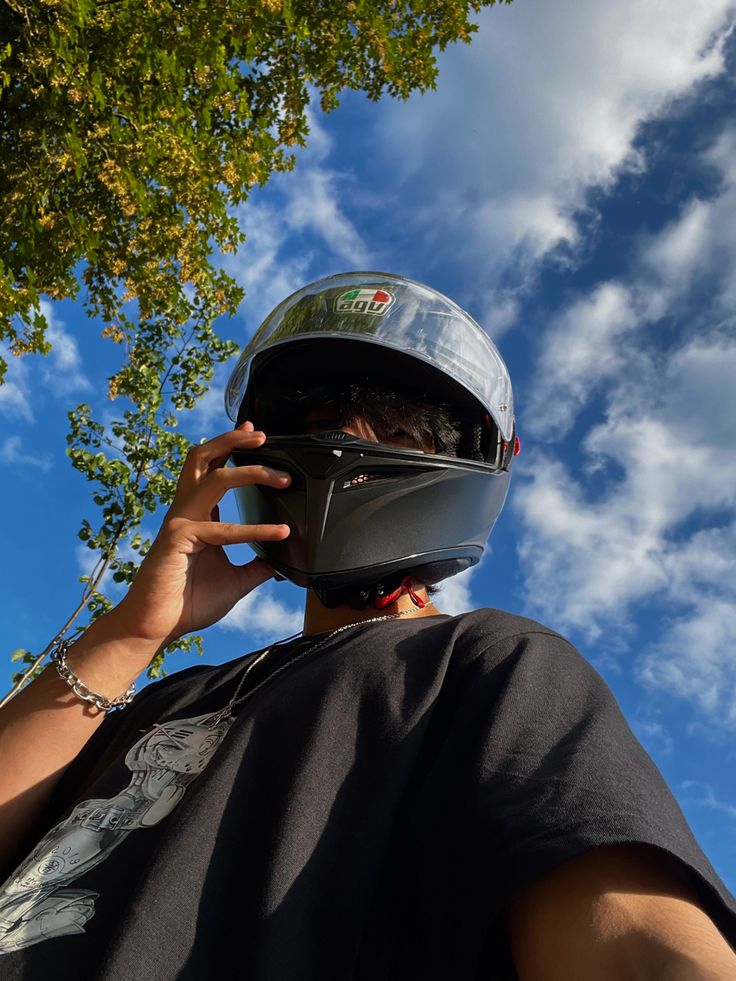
(364, 514)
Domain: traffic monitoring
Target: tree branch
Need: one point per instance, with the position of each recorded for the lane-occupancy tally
(90, 586)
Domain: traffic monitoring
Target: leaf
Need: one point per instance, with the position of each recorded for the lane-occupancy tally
(129, 131)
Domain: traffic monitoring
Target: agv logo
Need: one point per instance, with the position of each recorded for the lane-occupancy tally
(372, 301)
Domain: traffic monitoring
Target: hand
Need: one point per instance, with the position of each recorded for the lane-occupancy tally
(186, 582)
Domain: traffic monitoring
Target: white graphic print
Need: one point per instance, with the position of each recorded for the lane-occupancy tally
(35, 904)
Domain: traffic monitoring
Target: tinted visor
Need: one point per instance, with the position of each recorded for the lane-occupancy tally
(391, 391)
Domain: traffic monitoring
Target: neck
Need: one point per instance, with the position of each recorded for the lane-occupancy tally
(319, 619)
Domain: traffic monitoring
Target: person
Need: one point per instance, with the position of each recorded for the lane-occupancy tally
(394, 794)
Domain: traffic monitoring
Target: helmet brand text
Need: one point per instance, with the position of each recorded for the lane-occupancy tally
(370, 301)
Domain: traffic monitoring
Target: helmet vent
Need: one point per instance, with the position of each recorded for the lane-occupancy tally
(363, 478)
(360, 479)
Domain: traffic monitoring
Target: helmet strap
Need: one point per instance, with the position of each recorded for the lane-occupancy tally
(380, 594)
(381, 602)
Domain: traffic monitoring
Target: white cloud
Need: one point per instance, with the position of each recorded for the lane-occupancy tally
(491, 171)
(15, 391)
(261, 613)
(696, 659)
(454, 595)
(307, 202)
(702, 794)
(664, 522)
(314, 205)
(499, 312)
(678, 251)
(11, 452)
(699, 243)
(583, 563)
(703, 565)
(588, 558)
(663, 525)
(582, 347)
(697, 247)
(559, 94)
(594, 339)
(319, 141)
(700, 395)
(62, 373)
(260, 267)
(87, 559)
(313, 195)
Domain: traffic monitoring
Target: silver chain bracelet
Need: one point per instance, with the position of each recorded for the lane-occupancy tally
(100, 702)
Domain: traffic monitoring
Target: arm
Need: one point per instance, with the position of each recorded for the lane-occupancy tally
(185, 583)
(618, 913)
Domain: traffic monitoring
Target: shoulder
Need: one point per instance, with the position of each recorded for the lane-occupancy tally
(525, 675)
(495, 635)
(501, 623)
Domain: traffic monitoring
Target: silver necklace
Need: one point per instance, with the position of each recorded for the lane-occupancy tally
(226, 715)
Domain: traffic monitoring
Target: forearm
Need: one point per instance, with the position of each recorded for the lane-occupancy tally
(45, 726)
(186, 582)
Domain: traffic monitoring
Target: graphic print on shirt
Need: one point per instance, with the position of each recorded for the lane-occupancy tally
(35, 904)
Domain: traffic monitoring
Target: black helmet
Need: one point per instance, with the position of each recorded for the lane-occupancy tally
(363, 515)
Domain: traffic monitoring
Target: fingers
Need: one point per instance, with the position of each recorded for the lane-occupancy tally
(228, 533)
(206, 457)
(205, 497)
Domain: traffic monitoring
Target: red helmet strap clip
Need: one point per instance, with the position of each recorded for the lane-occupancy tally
(406, 586)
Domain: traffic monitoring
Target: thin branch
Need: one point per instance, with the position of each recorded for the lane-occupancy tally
(125, 119)
(104, 560)
(89, 587)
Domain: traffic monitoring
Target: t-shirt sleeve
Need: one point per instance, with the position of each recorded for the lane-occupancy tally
(534, 765)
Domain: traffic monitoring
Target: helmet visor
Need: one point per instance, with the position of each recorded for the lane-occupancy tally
(390, 312)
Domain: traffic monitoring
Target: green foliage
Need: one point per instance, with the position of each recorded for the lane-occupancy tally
(135, 459)
(129, 131)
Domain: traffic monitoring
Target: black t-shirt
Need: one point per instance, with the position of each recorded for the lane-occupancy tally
(369, 815)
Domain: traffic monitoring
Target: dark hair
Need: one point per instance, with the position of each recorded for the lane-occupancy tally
(385, 411)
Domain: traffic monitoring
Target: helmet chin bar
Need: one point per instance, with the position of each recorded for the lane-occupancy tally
(364, 516)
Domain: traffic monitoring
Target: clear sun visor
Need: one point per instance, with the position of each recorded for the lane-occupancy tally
(393, 312)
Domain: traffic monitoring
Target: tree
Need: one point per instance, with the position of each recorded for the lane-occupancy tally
(129, 131)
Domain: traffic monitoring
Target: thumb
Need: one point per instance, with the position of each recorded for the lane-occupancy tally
(254, 573)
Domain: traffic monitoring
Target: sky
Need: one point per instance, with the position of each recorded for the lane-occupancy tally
(572, 184)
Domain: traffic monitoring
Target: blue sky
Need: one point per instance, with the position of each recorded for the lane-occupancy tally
(572, 183)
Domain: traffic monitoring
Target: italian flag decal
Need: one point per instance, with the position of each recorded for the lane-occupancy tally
(361, 300)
